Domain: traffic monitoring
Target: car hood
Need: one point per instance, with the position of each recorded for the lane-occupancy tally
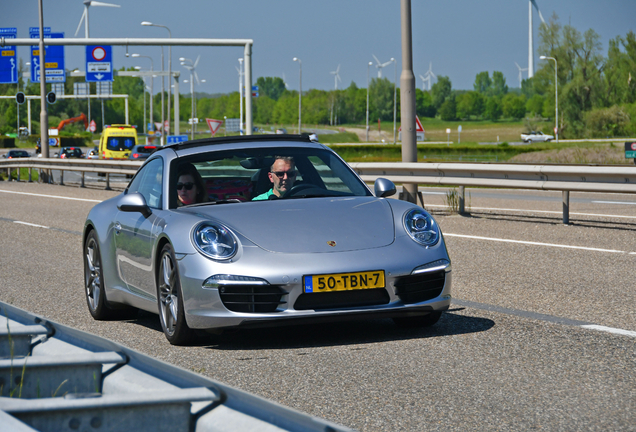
(310, 225)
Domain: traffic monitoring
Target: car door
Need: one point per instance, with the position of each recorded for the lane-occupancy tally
(135, 233)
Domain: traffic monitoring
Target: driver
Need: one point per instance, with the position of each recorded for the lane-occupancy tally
(282, 174)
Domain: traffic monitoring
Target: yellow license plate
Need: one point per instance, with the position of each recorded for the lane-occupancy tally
(343, 281)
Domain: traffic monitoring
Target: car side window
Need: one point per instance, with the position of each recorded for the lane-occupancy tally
(148, 182)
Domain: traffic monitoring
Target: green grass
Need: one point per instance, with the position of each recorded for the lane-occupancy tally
(473, 152)
(341, 137)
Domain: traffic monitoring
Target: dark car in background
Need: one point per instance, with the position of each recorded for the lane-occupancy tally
(70, 152)
(12, 154)
(141, 152)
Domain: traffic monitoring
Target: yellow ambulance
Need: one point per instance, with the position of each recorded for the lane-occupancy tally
(117, 141)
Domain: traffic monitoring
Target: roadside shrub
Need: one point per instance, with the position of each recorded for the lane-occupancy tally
(607, 122)
(7, 142)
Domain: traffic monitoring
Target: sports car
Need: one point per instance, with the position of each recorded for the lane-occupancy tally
(261, 246)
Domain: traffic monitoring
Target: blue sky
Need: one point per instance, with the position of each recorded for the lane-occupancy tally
(459, 37)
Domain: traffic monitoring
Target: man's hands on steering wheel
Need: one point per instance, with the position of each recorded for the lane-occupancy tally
(298, 188)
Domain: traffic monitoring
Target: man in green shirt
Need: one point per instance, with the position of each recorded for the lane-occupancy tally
(282, 174)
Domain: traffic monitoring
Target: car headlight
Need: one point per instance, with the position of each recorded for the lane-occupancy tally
(214, 241)
(421, 227)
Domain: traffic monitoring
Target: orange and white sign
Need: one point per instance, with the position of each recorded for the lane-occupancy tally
(418, 125)
(214, 125)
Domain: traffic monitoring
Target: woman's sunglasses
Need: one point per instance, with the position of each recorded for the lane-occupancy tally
(187, 185)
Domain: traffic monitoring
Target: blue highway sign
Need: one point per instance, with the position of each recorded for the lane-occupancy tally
(8, 58)
(53, 57)
(99, 63)
(174, 139)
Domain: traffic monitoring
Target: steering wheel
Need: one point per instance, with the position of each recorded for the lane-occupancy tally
(298, 188)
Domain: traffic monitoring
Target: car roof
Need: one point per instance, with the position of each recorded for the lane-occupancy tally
(239, 142)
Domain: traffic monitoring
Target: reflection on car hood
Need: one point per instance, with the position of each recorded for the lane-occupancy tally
(309, 225)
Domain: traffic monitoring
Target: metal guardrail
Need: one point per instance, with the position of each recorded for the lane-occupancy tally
(106, 167)
(564, 178)
(55, 378)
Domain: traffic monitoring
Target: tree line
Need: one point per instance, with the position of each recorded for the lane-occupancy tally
(597, 94)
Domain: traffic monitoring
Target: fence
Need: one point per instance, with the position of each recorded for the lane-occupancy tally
(564, 178)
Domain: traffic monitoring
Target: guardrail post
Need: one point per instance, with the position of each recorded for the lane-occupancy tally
(18, 174)
(462, 200)
(30, 175)
(8, 174)
(82, 179)
(62, 178)
(566, 207)
(108, 181)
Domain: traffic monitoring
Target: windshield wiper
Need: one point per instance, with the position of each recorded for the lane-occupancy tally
(227, 201)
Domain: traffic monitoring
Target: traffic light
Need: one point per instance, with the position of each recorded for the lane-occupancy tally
(50, 97)
(20, 98)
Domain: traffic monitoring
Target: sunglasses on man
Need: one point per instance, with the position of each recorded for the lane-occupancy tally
(281, 174)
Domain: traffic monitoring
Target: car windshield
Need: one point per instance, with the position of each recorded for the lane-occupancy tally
(244, 174)
(120, 143)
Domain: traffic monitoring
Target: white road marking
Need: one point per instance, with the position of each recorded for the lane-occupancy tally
(30, 224)
(536, 243)
(610, 330)
(536, 211)
(51, 196)
(615, 202)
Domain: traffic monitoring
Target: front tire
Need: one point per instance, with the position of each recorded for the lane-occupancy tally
(170, 300)
(94, 281)
(418, 321)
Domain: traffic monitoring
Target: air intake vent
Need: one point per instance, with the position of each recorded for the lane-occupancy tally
(420, 287)
(251, 298)
(342, 299)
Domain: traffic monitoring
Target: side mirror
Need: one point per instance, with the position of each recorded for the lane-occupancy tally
(384, 188)
(134, 202)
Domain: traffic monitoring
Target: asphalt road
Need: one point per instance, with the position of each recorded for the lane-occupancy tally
(515, 352)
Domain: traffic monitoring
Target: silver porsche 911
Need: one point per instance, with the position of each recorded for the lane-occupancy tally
(261, 230)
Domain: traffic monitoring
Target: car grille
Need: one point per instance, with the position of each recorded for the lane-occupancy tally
(420, 287)
(251, 298)
(342, 299)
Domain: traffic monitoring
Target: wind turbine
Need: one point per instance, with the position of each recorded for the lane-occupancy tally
(336, 77)
(380, 65)
(520, 73)
(530, 36)
(285, 81)
(87, 4)
(427, 76)
(425, 79)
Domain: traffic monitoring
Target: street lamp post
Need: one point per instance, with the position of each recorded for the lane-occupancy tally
(368, 65)
(556, 96)
(146, 23)
(300, 91)
(241, 85)
(184, 62)
(152, 80)
(394, 102)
